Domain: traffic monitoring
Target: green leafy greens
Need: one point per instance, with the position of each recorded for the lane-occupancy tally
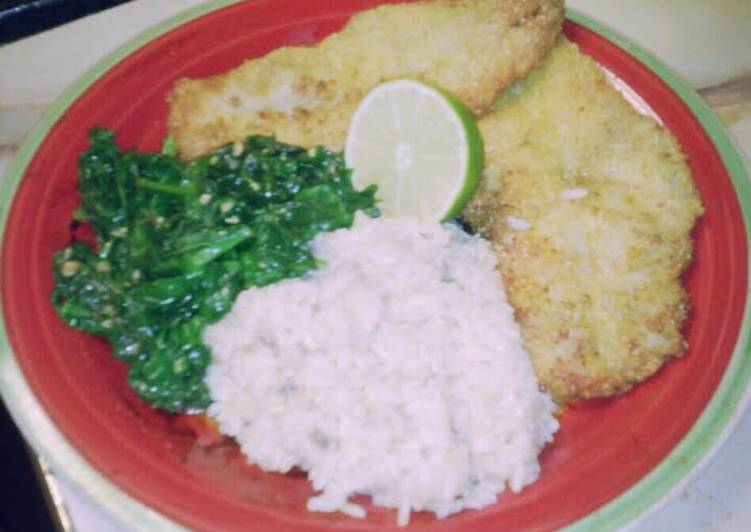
(176, 243)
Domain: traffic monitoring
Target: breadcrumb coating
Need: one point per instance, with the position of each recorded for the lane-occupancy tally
(590, 207)
(306, 95)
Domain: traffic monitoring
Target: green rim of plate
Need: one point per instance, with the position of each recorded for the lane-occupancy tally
(694, 450)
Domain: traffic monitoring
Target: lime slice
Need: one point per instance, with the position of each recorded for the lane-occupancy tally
(421, 147)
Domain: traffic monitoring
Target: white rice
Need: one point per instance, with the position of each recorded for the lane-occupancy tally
(395, 371)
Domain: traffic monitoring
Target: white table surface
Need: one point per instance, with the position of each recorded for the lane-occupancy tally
(706, 42)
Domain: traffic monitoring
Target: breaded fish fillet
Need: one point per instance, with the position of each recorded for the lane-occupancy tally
(306, 95)
(590, 206)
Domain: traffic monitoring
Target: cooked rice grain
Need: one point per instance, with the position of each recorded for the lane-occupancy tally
(396, 370)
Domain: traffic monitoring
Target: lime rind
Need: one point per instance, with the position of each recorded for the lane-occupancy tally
(469, 151)
(475, 155)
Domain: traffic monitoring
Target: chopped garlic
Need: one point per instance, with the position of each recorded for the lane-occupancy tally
(226, 206)
(70, 268)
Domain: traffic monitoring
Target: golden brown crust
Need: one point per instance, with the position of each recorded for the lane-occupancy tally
(590, 208)
(305, 95)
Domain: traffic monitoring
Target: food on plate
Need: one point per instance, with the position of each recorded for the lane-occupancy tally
(395, 370)
(306, 95)
(383, 357)
(590, 207)
(176, 242)
(419, 146)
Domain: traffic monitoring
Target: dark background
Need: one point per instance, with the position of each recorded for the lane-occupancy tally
(23, 506)
(19, 18)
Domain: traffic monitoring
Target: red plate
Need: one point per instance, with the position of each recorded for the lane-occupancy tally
(603, 448)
